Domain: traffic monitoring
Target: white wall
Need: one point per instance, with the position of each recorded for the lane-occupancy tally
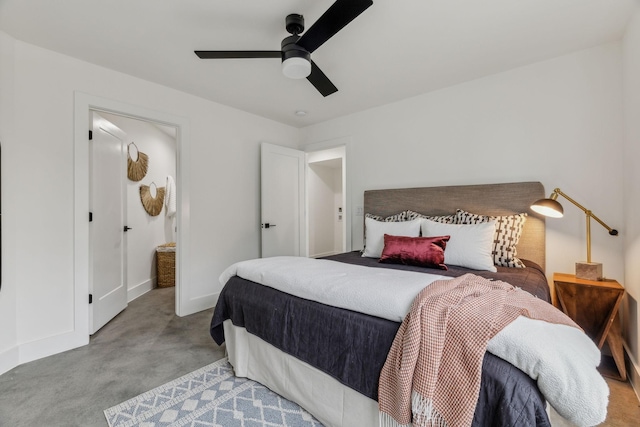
(631, 230)
(147, 232)
(558, 122)
(8, 295)
(38, 184)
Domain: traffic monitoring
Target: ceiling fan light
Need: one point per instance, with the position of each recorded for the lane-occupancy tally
(296, 67)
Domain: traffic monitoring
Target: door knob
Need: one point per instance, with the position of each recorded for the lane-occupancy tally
(267, 225)
(125, 229)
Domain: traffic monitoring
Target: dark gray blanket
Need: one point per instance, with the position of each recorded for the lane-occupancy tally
(352, 347)
(531, 279)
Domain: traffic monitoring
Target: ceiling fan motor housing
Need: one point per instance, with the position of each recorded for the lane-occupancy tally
(296, 61)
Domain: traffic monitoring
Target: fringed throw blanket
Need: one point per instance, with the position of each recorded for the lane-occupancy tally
(432, 374)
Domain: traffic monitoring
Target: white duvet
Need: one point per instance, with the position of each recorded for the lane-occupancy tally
(560, 358)
(380, 292)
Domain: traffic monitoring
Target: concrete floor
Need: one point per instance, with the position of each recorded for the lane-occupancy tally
(145, 346)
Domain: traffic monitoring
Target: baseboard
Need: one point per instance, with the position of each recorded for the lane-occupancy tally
(9, 359)
(323, 254)
(196, 305)
(633, 371)
(38, 349)
(140, 289)
(34, 350)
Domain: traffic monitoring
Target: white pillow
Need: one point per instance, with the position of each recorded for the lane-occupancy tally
(375, 231)
(470, 245)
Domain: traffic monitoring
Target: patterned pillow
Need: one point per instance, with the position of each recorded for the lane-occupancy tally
(507, 235)
(444, 219)
(399, 217)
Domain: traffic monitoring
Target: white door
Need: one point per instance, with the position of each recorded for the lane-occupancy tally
(282, 189)
(106, 229)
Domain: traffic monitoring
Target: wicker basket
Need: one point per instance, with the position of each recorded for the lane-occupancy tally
(166, 261)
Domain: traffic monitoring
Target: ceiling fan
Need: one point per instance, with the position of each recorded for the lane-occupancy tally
(296, 49)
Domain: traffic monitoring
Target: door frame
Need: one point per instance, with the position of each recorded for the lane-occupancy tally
(345, 142)
(83, 104)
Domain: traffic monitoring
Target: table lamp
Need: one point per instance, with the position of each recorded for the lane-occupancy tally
(552, 208)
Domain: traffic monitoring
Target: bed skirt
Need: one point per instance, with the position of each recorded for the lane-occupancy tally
(333, 404)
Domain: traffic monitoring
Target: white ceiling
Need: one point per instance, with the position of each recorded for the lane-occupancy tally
(396, 49)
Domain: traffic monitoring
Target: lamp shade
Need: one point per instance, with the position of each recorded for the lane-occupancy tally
(548, 207)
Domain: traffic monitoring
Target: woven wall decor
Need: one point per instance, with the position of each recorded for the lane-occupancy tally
(136, 169)
(153, 205)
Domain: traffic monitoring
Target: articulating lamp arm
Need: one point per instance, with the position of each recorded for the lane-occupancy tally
(590, 215)
(557, 191)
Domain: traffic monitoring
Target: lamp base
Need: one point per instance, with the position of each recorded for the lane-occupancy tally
(589, 270)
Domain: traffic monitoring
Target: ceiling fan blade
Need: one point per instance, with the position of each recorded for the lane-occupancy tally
(333, 20)
(233, 54)
(321, 81)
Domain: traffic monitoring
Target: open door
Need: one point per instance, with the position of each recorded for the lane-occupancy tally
(107, 223)
(282, 201)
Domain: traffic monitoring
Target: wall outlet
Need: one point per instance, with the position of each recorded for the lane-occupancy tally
(359, 211)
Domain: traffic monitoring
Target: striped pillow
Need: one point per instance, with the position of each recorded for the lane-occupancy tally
(443, 219)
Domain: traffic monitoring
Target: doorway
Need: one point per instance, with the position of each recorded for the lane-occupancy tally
(326, 202)
(125, 244)
(146, 232)
(304, 196)
(185, 302)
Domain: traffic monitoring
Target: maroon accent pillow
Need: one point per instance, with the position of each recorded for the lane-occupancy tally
(420, 251)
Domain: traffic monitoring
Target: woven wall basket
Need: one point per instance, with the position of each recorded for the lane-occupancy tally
(153, 205)
(136, 169)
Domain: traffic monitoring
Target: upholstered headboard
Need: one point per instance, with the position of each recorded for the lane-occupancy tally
(486, 199)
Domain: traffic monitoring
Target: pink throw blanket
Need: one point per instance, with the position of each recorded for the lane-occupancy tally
(432, 374)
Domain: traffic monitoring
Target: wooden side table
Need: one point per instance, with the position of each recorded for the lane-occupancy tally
(593, 305)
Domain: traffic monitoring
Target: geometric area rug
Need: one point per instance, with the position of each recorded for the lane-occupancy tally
(211, 396)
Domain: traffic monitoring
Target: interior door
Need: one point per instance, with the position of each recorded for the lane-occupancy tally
(282, 201)
(106, 230)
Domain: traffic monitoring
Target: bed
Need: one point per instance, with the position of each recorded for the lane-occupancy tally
(327, 356)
